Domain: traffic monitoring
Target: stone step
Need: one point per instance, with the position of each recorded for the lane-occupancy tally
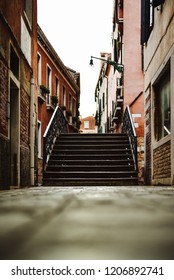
(92, 137)
(65, 167)
(94, 145)
(91, 159)
(93, 182)
(90, 174)
(93, 162)
(91, 151)
(88, 156)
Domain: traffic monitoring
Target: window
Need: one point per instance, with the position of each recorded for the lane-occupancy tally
(39, 140)
(39, 69)
(56, 86)
(162, 107)
(28, 10)
(103, 101)
(14, 63)
(86, 124)
(158, 2)
(147, 17)
(64, 96)
(74, 107)
(48, 76)
(70, 102)
(26, 41)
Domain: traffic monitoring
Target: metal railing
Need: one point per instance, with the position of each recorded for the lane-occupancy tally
(128, 128)
(56, 126)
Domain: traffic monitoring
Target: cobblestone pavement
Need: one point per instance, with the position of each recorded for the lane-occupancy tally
(87, 223)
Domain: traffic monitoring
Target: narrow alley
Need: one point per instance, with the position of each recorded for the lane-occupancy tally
(67, 223)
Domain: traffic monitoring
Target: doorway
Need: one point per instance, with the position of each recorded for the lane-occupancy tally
(14, 134)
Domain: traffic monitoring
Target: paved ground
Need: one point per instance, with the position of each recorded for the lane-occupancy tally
(87, 223)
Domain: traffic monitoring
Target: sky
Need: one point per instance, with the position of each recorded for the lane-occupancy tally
(78, 29)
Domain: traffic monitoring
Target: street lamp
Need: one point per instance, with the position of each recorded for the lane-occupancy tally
(118, 67)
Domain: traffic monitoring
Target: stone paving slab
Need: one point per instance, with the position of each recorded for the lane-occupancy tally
(87, 223)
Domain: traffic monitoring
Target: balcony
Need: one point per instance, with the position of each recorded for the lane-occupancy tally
(42, 93)
(41, 96)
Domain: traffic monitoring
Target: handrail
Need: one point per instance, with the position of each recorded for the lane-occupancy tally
(128, 128)
(57, 125)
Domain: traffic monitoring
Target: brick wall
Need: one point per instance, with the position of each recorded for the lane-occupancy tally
(140, 155)
(162, 161)
(3, 98)
(4, 142)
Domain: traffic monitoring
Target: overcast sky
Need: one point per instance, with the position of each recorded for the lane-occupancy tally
(78, 29)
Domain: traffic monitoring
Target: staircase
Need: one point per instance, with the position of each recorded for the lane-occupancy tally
(91, 160)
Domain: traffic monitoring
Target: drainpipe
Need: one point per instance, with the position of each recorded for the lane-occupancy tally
(107, 123)
(32, 132)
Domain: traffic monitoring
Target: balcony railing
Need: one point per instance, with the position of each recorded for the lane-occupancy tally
(56, 126)
(128, 128)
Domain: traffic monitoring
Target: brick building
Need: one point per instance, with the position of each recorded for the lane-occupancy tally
(157, 39)
(18, 66)
(57, 85)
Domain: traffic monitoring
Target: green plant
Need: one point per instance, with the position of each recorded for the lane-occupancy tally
(69, 113)
(63, 107)
(54, 99)
(44, 89)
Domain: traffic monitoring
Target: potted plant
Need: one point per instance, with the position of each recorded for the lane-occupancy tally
(54, 99)
(63, 107)
(69, 114)
(44, 89)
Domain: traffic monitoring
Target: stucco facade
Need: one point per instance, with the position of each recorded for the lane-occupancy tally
(159, 95)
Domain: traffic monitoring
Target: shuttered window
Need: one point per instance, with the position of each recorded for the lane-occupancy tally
(146, 20)
(156, 3)
(147, 17)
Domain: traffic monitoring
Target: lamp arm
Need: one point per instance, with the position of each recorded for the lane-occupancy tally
(113, 63)
(100, 58)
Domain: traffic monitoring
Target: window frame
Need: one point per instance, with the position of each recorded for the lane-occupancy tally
(158, 89)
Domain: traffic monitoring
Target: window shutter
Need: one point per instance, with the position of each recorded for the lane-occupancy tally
(156, 3)
(145, 20)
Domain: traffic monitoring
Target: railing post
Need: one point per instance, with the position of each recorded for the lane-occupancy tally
(57, 125)
(128, 128)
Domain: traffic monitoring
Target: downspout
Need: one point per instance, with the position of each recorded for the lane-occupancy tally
(32, 132)
(107, 123)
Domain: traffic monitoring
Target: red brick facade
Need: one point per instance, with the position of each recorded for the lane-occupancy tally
(3, 98)
(62, 82)
(18, 43)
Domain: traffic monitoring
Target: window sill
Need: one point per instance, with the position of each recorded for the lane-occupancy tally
(162, 141)
(50, 107)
